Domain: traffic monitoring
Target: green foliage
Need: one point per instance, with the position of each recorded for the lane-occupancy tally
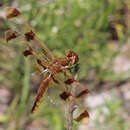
(86, 22)
(112, 116)
(78, 25)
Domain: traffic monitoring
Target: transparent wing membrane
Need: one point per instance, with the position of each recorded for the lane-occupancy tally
(83, 115)
(27, 31)
(42, 65)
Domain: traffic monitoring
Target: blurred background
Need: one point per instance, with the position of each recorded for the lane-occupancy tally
(99, 31)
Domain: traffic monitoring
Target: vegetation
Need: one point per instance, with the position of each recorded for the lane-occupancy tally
(95, 29)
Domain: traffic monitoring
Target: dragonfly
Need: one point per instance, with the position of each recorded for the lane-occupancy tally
(50, 66)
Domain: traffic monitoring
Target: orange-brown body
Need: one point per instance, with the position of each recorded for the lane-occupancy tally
(46, 81)
(51, 67)
(58, 65)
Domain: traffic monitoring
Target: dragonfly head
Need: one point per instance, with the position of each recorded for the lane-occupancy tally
(72, 56)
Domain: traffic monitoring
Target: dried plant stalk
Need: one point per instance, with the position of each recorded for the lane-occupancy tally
(70, 108)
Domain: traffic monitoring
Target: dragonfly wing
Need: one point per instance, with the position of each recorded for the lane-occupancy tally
(81, 115)
(27, 31)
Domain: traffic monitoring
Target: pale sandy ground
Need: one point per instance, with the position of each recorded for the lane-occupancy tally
(98, 100)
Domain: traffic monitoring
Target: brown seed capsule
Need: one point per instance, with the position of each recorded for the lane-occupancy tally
(29, 35)
(65, 95)
(12, 12)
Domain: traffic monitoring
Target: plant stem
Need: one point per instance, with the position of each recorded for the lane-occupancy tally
(70, 108)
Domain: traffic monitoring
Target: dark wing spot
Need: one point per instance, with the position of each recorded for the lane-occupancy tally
(83, 115)
(27, 52)
(29, 35)
(82, 93)
(69, 81)
(12, 12)
(10, 34)
(65, 95)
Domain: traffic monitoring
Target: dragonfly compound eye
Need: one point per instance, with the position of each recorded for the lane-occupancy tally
(69, 54)
(73, 56)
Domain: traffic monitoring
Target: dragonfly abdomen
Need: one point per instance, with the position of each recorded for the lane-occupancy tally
(41, 91)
